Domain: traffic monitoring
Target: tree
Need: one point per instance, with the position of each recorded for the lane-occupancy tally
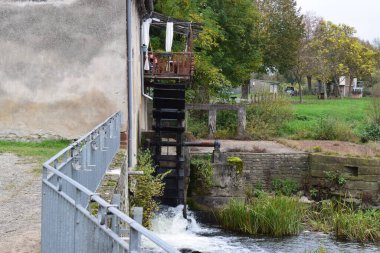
(329, 46)
(360, 60)
(227, 50)
(282, 31)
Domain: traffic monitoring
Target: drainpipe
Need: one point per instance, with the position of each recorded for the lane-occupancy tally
(130, 86)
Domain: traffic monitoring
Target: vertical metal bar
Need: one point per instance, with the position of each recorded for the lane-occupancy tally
(115, 223)
(135, 237)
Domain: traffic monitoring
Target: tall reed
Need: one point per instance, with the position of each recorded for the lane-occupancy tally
(275, 216)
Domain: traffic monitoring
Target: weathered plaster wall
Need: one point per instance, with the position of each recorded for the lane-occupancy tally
(62, 66)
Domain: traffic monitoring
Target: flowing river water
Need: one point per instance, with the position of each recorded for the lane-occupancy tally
(191, 236)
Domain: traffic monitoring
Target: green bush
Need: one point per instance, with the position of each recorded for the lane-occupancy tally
(145, 188)
(333, 129)
(371, 132)
(275, 216)
(236, 161)
(201, 173)
(265, 119)
(285, 187)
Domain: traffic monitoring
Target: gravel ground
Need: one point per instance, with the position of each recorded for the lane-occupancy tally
(339, 147)
(20, 205)
(250, 146)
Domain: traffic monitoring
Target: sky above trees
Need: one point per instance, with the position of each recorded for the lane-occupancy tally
(363, 14)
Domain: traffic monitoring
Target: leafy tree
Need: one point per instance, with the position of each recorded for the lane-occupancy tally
(227, 50)
(282, 31)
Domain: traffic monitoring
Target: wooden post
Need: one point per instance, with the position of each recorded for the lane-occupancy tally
(242, 121)
(211, 123)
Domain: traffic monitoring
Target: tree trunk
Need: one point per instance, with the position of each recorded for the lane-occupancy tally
(309, 84)
(350, 86)
(245, 90)
(300, 88)
(324, 91)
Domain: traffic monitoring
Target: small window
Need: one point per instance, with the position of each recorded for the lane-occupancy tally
(351, 170)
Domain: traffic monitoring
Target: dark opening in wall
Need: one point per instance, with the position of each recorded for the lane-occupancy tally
(351, 170)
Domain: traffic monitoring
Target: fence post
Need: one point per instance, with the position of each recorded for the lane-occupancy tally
(242, 121)
(211, 122)
(135, 237)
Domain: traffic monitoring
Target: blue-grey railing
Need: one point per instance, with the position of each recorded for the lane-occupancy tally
(70, 179)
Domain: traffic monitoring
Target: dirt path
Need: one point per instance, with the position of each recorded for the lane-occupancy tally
(20, 201)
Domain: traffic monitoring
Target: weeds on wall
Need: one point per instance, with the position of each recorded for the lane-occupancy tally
(146, 188)
(286, 187)
(201, 173)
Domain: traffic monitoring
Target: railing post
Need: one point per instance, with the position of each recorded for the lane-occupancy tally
(115, 223)
(135, 237)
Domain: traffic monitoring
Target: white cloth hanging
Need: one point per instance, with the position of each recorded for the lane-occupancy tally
(169, 36)
(146, 40)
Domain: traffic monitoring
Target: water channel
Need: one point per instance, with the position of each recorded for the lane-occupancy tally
(191, 236)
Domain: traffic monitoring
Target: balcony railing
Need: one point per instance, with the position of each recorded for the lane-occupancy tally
(170, 65)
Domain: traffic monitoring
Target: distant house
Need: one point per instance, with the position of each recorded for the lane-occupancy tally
(263, 86)
(344, 86)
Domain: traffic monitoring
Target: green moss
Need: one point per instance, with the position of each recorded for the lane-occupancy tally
(237, 162)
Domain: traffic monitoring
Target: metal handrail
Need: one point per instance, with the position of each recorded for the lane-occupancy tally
(73, 189)
(111, 209)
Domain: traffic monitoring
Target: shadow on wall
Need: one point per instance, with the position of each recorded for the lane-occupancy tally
(62, 66)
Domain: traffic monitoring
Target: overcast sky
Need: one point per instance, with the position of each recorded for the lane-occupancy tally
(364, 15)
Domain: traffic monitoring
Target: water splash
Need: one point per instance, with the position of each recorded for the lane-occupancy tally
(188, 236)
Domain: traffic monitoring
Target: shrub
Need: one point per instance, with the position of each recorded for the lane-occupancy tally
(285, 187)
(332, 129)
(201, 173)
(146, 187)
(265, 119)
(371, 132)
(275, 216)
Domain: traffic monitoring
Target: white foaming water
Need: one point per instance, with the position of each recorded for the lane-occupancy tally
(189, 236)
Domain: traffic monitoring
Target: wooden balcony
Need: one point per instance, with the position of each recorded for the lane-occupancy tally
(170, 66)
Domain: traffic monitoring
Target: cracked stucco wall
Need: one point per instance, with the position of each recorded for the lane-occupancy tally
(63, 67)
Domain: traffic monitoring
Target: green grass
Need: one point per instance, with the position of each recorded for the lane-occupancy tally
(267, 215)
(350, 112)
(38, 152)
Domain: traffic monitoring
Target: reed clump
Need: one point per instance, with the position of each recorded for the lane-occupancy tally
(267, 215)
(346, 222)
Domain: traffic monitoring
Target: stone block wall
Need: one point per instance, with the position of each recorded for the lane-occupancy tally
(258, 168)
(362, 175)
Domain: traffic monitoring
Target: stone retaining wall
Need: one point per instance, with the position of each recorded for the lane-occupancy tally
(362, 176)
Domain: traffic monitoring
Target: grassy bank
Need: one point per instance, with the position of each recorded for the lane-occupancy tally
(348, 115)
(280, 216)
(315, 119)
(345, 222)
(37, 151)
